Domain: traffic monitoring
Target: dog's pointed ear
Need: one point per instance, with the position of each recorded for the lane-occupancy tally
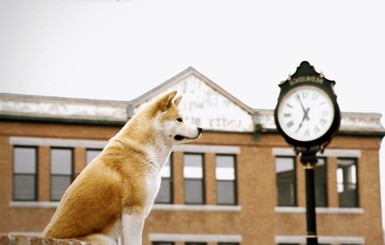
(166, 101)
(177, 100)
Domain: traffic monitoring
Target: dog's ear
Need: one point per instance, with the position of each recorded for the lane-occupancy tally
(177, 100)
(166, 101)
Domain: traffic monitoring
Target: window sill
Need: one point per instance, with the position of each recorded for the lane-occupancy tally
(197, 208)
(300, 210)
(162, 207)
(33, 204)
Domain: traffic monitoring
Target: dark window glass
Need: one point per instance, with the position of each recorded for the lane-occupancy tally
(193, 179)
(320, 180)
(61, 171)
(91, 154)
(286, 181)
(165, 194)
(347, 185)
(226, 179)
(162, 243)
(25, 173)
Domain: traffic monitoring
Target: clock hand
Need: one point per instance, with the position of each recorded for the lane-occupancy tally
(300, 102)
(305, 116)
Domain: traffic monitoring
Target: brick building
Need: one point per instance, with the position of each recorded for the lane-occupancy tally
(240, 183)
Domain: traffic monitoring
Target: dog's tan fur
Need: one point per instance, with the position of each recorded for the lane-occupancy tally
(114, 194)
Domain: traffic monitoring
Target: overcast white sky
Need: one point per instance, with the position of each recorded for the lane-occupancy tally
(109, 49)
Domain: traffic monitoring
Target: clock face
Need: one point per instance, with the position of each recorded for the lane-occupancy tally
(305, 113)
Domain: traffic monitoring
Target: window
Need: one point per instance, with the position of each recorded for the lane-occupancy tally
(193, 179)
(228, 243)
(61, 171)
(347, 185)
(165, 194)
(320, 180)
(225, 177)
(286, 181)
(91, 154)
(162, 243)
(25, 173)
(195, 243)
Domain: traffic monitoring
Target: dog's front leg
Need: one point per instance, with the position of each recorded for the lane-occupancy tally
(132, 228)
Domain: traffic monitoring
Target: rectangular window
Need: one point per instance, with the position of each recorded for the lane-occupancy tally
(25, 173)
(165, 194)
(91, 154)
(320, 180)
(347, 185)
(193, 179)
(195, 243)
(225, 177)
(228, 243)
(61, 171)
(162, 243)
(286, 181)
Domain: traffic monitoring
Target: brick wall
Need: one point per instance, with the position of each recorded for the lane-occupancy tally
(10, 239)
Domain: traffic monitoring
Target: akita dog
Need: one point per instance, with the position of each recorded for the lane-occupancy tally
(113, 195)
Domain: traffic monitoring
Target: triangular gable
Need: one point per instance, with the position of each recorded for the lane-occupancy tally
(204, 103)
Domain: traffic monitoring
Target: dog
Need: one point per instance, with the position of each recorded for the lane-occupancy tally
(111, 198)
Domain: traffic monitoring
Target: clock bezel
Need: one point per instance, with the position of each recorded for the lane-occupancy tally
(323, 140)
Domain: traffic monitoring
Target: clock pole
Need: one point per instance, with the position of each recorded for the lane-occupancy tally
(307, 115)
(309, 160)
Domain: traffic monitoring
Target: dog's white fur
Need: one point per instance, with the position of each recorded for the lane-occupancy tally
(113, 195)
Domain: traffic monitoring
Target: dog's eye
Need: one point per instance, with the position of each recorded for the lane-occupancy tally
(179, 119)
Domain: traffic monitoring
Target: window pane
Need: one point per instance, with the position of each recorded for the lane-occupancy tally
(226, 192)
(24, 160)
(59, 184)
(193, 182)
(91, 154)
(320, 183)
(165, 193)
(286, 187)
(193, 190)
(347, 185)
(24, 187)
(25, 168)
(61, 161)
(225, 178)
(225, 167)
(193, 164)
(61, 172)
(162, 243)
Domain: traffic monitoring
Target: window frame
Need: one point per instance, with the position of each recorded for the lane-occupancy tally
(201, 180)
(233, 181)
(35, 174)
(70, 175)
(294, 181)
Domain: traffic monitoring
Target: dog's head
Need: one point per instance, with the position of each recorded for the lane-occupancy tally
(169, 120)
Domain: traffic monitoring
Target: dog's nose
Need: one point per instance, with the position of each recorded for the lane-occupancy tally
(200, 130)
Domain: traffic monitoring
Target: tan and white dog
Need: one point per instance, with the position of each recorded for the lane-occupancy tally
(113, 195)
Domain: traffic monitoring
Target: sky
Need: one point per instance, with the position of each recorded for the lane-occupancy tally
(120, 49)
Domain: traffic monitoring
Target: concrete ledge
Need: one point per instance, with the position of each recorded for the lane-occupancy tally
(15, 239)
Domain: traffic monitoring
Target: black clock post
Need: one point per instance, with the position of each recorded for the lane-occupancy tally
(307, 116)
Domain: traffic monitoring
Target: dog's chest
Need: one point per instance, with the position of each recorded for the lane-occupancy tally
(153, 181)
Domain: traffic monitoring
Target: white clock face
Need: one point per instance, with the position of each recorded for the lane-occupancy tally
(305, 113)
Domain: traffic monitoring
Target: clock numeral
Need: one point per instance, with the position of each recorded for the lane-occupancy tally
(325, 113)
(316, 130)
(288, 105)
(305, 94)
(314, 96)
(307, 133)
(287, 115)
(290, 124)
(323, 121)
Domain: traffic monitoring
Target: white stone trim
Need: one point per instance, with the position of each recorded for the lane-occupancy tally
(300, 210)
(33, 204)
(321, 239)
(327, 153)
(208, 148)
(36, 141)
(154, 237)
(197, 208)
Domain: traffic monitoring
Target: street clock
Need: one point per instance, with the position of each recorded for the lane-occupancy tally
(307, 114)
